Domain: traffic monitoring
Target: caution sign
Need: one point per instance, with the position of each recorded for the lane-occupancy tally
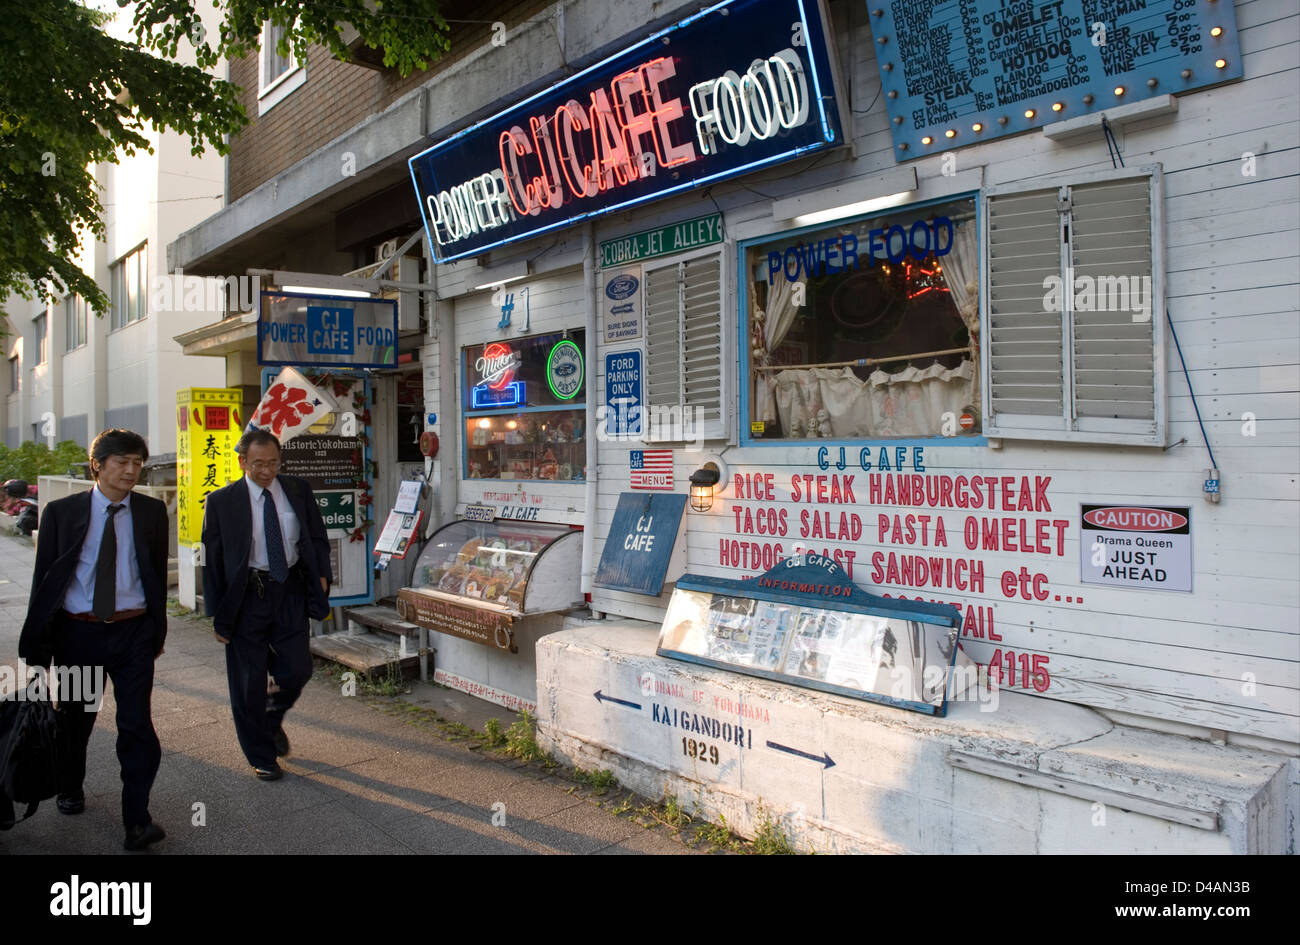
(1136, 546)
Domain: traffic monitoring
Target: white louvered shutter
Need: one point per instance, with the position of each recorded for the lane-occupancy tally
(683, 307)
(1114, 358)
(1026, 386)
(1094, 370)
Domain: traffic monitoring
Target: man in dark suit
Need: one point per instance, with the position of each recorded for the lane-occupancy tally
(99, 604)
(266, 570)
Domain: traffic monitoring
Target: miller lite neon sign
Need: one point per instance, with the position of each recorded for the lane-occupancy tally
(497, 387)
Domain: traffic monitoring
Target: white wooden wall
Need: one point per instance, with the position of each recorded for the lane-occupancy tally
(1227, 655)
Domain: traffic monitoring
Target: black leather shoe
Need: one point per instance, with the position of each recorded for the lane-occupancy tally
(137, 838)
(71, 803)
(281, 742)
(273, 773)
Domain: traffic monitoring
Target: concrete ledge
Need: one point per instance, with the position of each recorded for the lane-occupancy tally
(839, 775)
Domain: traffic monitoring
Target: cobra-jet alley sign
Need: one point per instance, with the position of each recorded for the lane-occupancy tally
(740, 85)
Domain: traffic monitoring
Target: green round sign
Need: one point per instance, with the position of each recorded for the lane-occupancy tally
(564, 370)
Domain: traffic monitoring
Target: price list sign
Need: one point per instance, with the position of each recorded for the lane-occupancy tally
(962, 71)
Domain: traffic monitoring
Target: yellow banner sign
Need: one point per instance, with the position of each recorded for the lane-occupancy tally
(209, 423)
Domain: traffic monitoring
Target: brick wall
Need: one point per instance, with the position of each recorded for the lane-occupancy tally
(338, 95)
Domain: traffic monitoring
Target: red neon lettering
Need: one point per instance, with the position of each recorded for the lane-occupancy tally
(521, 195)
(574, 119)
(548, 188)
(614, 166)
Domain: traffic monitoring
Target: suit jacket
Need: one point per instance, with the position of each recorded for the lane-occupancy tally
(58, 546)
(228, 542)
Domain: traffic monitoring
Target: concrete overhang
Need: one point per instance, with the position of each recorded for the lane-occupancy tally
(236, 333)
(256, 228)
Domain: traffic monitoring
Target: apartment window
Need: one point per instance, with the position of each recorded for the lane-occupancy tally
(278, 74)
(129, 291)
(15, 374)
(1075, 303)
(865, 329)
(75, 314)
(42, 325)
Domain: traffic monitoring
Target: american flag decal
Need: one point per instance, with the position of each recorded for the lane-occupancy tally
(651, 469)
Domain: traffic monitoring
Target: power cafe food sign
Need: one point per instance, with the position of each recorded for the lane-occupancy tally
(740, 85)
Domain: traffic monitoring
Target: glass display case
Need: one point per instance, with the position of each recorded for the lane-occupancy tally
(510, 567)
(806, 624)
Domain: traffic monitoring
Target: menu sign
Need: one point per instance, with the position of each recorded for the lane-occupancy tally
(957, 72)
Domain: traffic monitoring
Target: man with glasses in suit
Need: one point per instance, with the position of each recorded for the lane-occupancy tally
(266, 570)
(99, 605)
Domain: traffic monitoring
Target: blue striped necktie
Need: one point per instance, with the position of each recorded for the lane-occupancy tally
(276, 562)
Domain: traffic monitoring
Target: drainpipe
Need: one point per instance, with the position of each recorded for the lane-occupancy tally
(588, 531)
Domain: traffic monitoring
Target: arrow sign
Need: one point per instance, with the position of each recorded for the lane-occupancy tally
(604, 698)
(823, 759)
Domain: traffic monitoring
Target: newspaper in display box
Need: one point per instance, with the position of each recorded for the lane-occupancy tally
(804, 622)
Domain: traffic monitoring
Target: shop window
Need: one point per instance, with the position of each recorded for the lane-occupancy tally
(866, 329)
(684, 375)
(75, 322)
(278, 73)
(129, 279)
(524, 403)
(1076, 310)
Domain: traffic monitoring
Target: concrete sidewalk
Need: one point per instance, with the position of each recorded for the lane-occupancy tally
(359, 780)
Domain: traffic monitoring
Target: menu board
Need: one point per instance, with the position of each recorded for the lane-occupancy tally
(860, 654)
(985, 68)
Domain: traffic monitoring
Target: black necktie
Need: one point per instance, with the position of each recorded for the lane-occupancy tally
(275, 560)
(105, 604)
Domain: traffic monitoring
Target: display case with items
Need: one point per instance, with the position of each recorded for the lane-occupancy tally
(804, 622)
(511, 567)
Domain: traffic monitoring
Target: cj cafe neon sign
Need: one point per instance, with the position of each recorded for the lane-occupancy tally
(740, 85)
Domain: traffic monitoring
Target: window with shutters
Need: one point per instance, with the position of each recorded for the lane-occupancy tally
(866, 328)
(1075, 310)
(684, 354)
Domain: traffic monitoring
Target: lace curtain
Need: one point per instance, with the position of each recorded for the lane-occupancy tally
(775, 324)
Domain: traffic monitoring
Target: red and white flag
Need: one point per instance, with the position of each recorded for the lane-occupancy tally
(290, 405)
(651, 469)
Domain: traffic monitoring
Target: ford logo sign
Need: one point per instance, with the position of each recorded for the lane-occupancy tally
(564, 369)
(621, 287)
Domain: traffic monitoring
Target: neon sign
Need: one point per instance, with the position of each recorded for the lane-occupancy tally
(740, 85)
(496, 366)
(564, 370)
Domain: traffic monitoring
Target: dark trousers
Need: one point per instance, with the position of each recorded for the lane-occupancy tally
(270, 633)
(125, 653)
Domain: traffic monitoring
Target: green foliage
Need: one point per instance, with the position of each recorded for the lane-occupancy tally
(30, 460)
(770, 839)
(72, 96)
(718, 837)
(599, 781)
(493, 736)
(521, 739)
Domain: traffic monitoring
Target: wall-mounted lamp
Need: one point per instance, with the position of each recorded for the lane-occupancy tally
(703, 481)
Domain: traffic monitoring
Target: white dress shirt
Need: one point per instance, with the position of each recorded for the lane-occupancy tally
(289, 527)
(80, 595)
